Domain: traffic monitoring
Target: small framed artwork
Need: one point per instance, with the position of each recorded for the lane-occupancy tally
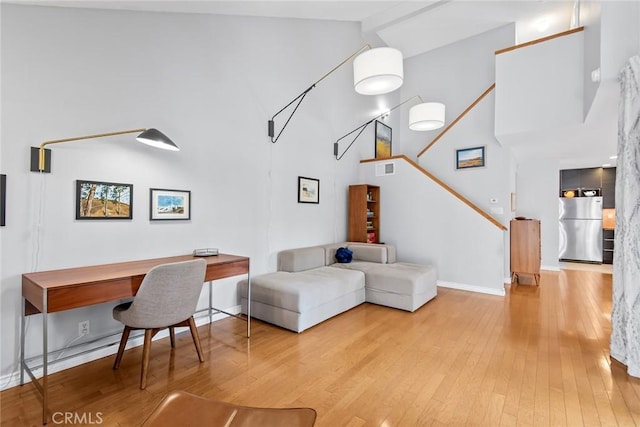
(383, 140)
(3, 200)
(169, 204)
(103, 200)
(471, 157)
(308, 190)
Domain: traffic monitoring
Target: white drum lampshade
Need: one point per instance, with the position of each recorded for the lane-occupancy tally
(378, 71)
(426, 116)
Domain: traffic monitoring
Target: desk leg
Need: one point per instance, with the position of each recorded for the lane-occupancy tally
(210, 301)
(23, 328)
(45, 360)
(248, 305)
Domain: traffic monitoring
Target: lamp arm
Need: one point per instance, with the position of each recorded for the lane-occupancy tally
(271, 122)
(300, 98)
(353, 55)
(336, 144)
(41, 154)
(364, 126)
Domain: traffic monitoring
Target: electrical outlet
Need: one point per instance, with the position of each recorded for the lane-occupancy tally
(83, 328)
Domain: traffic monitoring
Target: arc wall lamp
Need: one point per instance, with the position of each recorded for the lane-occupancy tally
(375, 71)
(422, 117)
(41, 157)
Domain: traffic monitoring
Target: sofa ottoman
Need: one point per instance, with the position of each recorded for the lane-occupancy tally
(305, 293)
(399, 285)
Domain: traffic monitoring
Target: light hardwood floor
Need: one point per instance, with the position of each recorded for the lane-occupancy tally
(539, 357)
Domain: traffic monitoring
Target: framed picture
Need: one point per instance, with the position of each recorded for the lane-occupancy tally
(472, 157)
(169, 204)
(3, 200)
(103, 200)
(383, 140)
(308, 190)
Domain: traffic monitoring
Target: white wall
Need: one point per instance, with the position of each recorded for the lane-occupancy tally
(537, 187)
(460, 79)
(540, 86)
(210, 83)
(620, 35)
(428, 225)
(590, 19)
(456, 75)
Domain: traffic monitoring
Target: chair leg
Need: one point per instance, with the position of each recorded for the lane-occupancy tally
(196, 338)
(146, 350)
(172, 336)
(123, 343)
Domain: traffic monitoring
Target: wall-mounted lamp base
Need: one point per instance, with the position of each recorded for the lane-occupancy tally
(3, 200)
(35, 160)
(271, 130)
(335, 149)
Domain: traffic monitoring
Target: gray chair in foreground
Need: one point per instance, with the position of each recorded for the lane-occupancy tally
(167, 298)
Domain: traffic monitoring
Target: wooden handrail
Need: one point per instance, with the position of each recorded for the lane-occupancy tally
(443, 185)
(457, 119)
(540, 40)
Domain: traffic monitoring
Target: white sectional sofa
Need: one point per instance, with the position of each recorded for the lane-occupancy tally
(310, 286)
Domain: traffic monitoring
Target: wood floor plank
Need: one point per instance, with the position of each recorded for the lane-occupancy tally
(539, 356)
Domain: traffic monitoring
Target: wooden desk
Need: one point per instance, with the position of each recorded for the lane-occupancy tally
(57, 290)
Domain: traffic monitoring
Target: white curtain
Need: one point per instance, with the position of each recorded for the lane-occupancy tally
(625, 317)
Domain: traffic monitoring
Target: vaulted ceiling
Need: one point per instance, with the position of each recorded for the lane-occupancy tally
(413, 26)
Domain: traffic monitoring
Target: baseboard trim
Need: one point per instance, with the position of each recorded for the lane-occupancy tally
(110, 344)
(550, 267)
(471, 288)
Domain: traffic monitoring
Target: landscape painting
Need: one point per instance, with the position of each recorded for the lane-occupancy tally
(467, 158)
(103, 200)
(169, 204)
(383, 140)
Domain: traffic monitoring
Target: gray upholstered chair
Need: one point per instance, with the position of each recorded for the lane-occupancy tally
(167, 298)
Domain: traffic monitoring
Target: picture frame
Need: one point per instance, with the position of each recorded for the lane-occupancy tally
(3, 199)
(383, 141)
(101, 200)
(169, 205)
(308, 190)
(470, 157)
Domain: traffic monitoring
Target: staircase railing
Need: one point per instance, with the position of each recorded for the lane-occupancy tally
(540, 40)
(443, 185)
(457, 119)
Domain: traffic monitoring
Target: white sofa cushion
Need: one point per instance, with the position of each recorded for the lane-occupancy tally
(369, 252)
(330, 252)
(301, 259)
(304, 290)
(372, 252)
(400, 277)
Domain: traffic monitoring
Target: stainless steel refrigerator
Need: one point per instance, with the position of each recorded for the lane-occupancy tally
(581, 229)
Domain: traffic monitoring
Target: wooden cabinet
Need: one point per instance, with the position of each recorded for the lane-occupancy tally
(364, 213)
(608, 241)
(581, 178)
(525, 249)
